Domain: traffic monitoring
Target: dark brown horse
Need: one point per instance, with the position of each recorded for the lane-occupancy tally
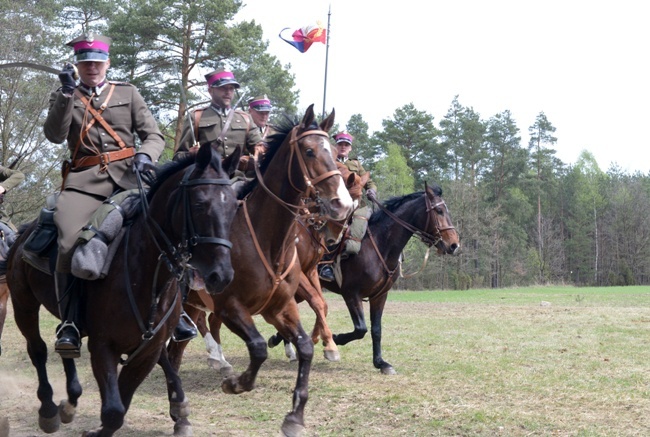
(371, 273)
(184, 222)
(297, 172)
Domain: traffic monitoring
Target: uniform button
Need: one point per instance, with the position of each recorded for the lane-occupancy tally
(225, 147)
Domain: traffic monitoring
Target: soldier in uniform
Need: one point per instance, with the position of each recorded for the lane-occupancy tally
(362, 213)
(206, 124)
(99, 120)
(9, 179)
(260, 109)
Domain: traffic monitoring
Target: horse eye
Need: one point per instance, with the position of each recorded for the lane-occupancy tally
(310, 153)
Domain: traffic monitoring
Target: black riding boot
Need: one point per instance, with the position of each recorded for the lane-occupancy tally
(185, 330)
(326, 273)
(68, 339)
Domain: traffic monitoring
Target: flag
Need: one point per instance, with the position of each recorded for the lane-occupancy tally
(304, 37)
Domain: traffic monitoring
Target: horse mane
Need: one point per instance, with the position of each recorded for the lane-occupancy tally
(281, 130)
(165, 171)
(394, 203)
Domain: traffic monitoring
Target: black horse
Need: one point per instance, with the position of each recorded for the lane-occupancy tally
(129, 315)
(371, 273)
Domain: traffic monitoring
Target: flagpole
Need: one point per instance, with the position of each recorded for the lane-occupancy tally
(327, 51)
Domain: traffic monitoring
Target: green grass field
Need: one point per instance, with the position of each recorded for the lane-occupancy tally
(548, 361)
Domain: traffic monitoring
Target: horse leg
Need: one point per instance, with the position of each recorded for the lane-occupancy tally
(376, 311)
(288, 324)
(104, 365)
(26, 309)
(68, 407)
(241, 323)
(355, 307)
(212, 339)
(313, 294)
(4, 296)
(179, 408)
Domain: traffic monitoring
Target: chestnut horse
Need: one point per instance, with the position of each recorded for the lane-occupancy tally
(371, 273)
(184, 222)
(296, 172)
(315, 235)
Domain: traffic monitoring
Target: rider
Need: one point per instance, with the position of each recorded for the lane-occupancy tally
(260, 109)
(9, 179)
(99, 119)
(206, 124)
(361, 214)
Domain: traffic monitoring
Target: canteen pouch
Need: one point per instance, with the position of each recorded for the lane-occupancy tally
(92, 253)
(44, 236)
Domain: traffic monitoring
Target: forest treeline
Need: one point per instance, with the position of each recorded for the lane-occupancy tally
(524, 216)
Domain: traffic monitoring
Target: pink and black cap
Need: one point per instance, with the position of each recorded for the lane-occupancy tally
(261, 104)
(220, 78)
(343, 137)
(90, 47)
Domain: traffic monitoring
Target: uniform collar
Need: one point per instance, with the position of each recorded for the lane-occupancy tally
(219, 110)
(342, 159)
(97, 90)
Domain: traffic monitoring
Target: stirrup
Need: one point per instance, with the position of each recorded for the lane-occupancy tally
(68, 347)
(326, 273)
(187, 332)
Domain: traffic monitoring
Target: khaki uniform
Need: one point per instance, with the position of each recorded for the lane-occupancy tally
(9, 179)
(86, 188)
(355, 166)
(242, 132)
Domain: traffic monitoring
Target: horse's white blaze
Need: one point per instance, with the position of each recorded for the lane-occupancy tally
(344, 195)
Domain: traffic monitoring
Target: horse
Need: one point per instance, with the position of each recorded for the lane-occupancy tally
(296, 171)
(315, 235)
(128, 316)
(371, 273)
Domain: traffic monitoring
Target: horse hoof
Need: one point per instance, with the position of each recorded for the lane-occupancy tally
(292, 429)
(183, 429)
(93, 433)
(49, 425)
(271, 343)
(226, 371)
(333, 356)
(388, 370)
(66, 411)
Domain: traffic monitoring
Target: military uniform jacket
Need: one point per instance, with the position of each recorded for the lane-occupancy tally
(9, 179)
(126, 113)
(354, 165)
(241, 133)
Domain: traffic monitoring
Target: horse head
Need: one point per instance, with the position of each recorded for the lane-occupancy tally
(439, 223)
(201, 206)
(319, 178)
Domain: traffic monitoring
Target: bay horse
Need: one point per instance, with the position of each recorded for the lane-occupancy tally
(371, 273)
(183, 222)
(315, 235)
(297, 171)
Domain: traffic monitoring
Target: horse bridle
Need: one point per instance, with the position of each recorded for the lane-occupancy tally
(311, 192)
(423, 235)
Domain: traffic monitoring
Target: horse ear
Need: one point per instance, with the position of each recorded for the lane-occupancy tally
(204, 156)
(327, 124)
(232, 161)
(308, 119)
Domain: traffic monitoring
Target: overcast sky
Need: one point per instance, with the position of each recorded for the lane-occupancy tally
(583, 63)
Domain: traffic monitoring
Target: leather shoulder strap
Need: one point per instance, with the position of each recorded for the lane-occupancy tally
(197, 117)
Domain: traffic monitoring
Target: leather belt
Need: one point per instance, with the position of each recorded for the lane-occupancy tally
(103, 159)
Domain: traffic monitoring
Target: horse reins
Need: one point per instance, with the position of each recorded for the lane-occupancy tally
(311, 182)
(427, 238)
(174, 260)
